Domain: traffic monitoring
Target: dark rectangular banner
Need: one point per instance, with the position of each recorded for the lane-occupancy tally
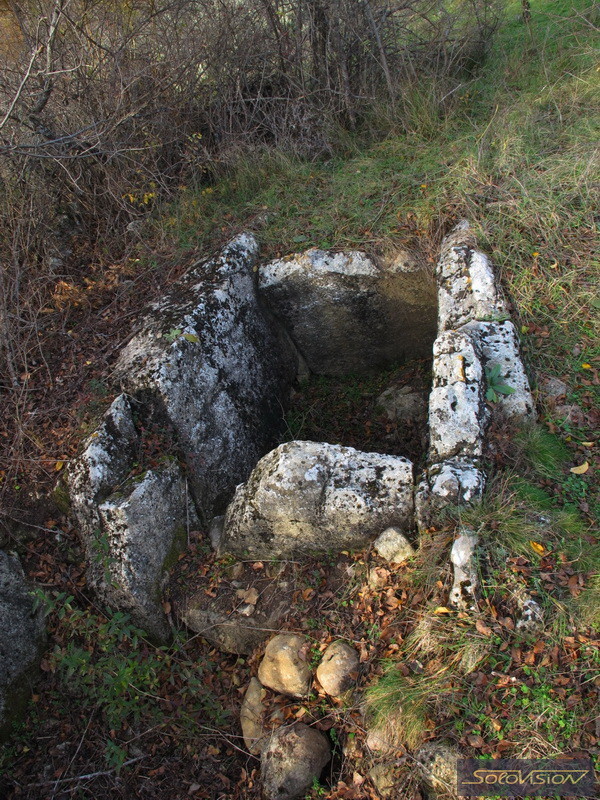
(520, 777)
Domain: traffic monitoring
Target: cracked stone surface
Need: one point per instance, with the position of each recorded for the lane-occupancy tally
(346, 313)
(141, 527)
(310, 497)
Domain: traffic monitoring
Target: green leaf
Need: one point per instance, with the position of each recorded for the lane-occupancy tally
(491, 395)
(504, 389)
(190, 337)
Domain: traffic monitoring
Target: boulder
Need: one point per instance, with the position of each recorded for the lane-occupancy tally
(209, 362)
(393, 545)
(457, 410)
(292, 760)
(338, 669)
(466, 580)
(251, 717)
(21, 640)
(106, 460)
(309, 497)
(345, 313)
(436, 762)
(284, 667)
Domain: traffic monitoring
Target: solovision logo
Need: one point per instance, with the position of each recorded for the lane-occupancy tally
(519, 777)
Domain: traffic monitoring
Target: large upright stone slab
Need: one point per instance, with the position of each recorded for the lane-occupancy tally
(21, 640)
(209, 362)
(345, 313)
(308, 497)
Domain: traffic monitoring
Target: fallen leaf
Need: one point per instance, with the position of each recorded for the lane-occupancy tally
(581, 469)
(442, 610)
(482, 628)
(588, 444)
(167, 607)
(59, 465)
(537, 548)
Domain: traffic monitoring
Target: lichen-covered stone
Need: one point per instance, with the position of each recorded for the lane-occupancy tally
(463, 594)
(208, 361)
(468, 290)
(338, 670)
(128, 554)
(292, 760)
(451, 483)
(347, 314)
(21, 640)
(284, 666)
(309, 497)
(457, 412)
(499, 344)
(393, 545)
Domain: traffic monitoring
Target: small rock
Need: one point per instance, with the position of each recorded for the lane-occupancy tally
(570, 412)
(401, 404)
(284, 668)
(251, 717)
(532, 616)
(463, 593)
(337, 671)
(554, 388)
(393, 545)
(378, 741)
(292, 759)
(437, 765)
(383, 779)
